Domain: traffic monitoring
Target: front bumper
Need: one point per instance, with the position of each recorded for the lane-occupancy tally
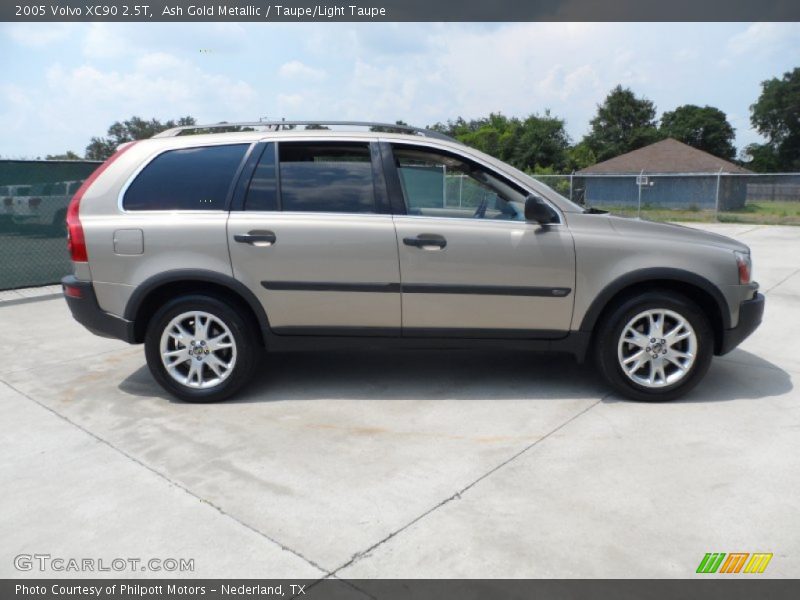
(82, 302)
(750, 315)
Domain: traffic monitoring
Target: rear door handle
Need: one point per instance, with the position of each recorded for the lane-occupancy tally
(256, 238)
(426, 241)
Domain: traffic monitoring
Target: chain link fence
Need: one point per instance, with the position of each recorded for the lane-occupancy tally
(720, 197)
(33, 206)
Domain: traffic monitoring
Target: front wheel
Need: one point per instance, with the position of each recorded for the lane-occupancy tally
(200, 349)
(655, 346)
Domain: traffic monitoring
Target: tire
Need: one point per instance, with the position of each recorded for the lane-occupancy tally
(685, 356)
(230, 342)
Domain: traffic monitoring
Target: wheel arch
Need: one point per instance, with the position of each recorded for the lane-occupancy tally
(697, 288)
(153, 292)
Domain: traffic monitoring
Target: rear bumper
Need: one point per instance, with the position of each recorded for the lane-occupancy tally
(82, 302)
(750, 315)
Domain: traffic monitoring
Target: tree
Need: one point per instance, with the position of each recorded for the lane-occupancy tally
(761, 158)
(389, 129)
(580, 156)
(536, 142)
(776, 116)
(623, 123)
(135, 128)
(705, 128)
(68, 155)
(543, 142)
(496, 135)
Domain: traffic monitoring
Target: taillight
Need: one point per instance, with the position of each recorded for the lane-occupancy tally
(76, 243)
(745, 265)
(34, 202)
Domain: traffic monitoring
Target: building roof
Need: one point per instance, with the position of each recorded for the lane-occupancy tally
(666, 156)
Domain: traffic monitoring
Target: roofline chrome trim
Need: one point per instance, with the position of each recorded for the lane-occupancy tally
(282, 125)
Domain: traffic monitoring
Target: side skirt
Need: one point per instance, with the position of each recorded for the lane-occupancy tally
(294, 339)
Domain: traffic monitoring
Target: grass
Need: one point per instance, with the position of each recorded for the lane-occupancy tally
(761, 213)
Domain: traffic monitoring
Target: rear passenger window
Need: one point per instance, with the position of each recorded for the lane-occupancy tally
(188, 179)
(326, 177)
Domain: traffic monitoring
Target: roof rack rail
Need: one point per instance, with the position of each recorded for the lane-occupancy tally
(289, 125)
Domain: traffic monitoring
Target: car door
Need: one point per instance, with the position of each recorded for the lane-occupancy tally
(313, 237)
(470, 264)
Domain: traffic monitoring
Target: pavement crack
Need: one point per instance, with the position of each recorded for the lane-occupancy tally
(784, 280)
(746, 231)
(458, 494)
(349, 584)
(169, 481)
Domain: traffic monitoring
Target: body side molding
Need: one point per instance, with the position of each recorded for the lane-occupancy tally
(417, 288)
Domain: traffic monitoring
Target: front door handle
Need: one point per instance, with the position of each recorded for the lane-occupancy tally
(426, 241)
(260, 239)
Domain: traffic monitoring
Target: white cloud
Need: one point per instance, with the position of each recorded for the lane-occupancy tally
(562, 84)
(160, 62)
(766, 39)
(38, 35)
(103, 41)
(114, 41)
(291, 102)
(419, 72)
(159, 83)
(15, 101)
(79, 102)
(297, 70)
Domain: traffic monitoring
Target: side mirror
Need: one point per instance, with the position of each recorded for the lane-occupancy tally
(537, 210)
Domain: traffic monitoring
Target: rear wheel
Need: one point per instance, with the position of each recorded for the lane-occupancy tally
(200, 349)
(655, 346)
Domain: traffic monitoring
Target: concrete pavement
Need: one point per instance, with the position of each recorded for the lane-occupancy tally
(404, 464)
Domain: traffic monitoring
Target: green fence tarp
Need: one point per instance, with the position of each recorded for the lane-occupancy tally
(33, 202)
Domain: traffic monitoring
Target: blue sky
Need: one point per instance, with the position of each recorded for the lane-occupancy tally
(62, 83)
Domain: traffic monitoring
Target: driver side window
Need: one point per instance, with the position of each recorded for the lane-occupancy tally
(438, 184)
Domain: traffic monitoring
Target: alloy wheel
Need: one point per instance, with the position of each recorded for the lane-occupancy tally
(198, 350)
(657, 348)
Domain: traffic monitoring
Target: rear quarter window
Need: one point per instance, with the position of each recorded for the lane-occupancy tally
(186, 179)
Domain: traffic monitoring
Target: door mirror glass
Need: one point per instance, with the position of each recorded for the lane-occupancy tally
(538, 211)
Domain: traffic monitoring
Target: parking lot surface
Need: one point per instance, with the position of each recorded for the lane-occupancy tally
(403, 464)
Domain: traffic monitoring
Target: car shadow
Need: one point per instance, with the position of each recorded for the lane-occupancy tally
(465, 375)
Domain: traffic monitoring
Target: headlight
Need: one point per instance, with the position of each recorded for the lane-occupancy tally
(745, 264)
